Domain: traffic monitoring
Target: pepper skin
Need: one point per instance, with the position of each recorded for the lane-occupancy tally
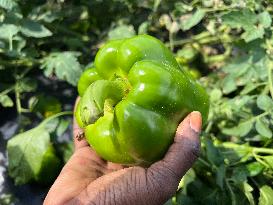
(131, 109)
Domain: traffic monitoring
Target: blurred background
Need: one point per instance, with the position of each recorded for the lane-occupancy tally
(226, 45)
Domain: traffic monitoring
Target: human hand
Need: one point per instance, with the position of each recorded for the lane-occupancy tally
(88, 179)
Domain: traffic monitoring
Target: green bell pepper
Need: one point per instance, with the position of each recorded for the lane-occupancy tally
(133, 100)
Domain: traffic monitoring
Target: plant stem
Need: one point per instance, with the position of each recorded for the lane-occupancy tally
(17, 98)
(269, 70)
(55, 116)
(223, 8)
(204, 162)
(208, 128)
(257, 117)
(10, 44)
(171, 40)
(263, 150)
(252, 149)
(233, 200)
(7, 90)
(258, 159)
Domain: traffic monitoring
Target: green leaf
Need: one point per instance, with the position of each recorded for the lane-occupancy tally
(6, 101)
(46, 105)
(8, 4)
(236, 152)
(220, 175)
(7, 31)
(269, 161)
(65, 65)
(187, 53)
(248, 88)
(34, 29)
(66, 149)
(182, 8)
(229, 84)
(265, 19)
(254, 168)
(143, 28)
(239, 174)
(253, 33)
(244, 18)
(213, 153)
(62, 127)
(28, 152)
(247, 20)
(187, 178)
(123, 31)
(263, 129)
(27, 85)
(193, 20)
(266, 195)
(215, 95)
(264, 102)
(247, 190)
(238, 102)
(240, 130)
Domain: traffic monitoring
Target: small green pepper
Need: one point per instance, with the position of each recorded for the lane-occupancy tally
(134, 100)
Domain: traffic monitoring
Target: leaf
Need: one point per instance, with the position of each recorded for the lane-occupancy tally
(215, 95)
(220, 175)
(265, 19)
(248, 88)
(143, 28)
(236, 152)
(269, 161)
(247, 20)
(187, 53)
(247, 190)
(264, 102)
(8, 4)
(254, 168)
(182, 7)
(123, 31)
(65, 65)
(193, 20)
(28, 152)
(244, 18)
(7, 31)
(263, 129)
(187, 178)
(27, 85)
(66, 149)
(6, 101)
(253, 33)
(238, 102)
(266, 195)
(239, 174)
(46, 105)
(62, 127)
(213, 153)
(34, 29)
(240, 130)
(229, 84)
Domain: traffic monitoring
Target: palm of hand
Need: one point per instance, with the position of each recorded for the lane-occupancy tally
(88, 179)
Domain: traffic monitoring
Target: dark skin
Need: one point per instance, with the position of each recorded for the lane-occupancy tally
(88, 179)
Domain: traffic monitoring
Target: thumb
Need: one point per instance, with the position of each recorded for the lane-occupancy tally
(180, 156)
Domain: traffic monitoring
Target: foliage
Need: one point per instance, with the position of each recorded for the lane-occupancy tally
(229, 42)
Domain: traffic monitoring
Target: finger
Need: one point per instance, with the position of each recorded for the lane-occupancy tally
(181, 154)
(77, 131)
(111, 167)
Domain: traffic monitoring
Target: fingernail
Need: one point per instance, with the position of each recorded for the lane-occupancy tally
(196, 121)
